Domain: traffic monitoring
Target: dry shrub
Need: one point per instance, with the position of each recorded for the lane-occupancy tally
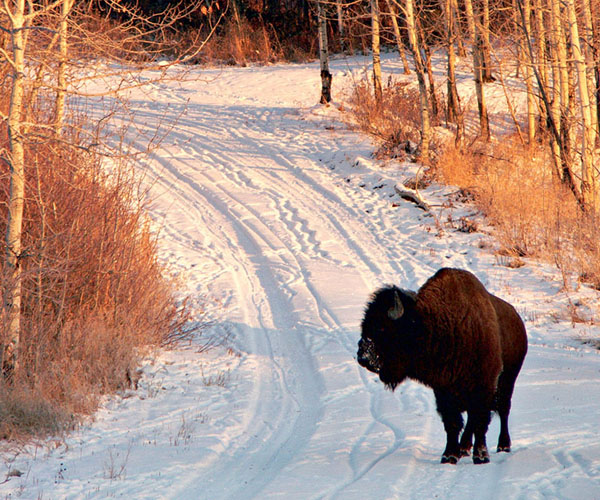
(245, 43)
(533, 213)
(394, 120)
(95, 296)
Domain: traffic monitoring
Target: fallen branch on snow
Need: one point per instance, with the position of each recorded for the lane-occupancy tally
(413, 196)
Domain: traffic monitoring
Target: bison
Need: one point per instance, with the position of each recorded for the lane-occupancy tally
(457, 338)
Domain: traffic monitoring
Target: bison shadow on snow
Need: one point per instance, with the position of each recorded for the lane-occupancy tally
(455, 337)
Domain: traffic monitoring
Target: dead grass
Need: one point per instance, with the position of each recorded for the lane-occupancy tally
(246, 43)
(534, 215)
(394, 120)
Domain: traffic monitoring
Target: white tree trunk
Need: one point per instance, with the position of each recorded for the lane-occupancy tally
(420, 70)
(13, 285)
(528, 76)
(375, 47)
(470, 22)
(398, 36)
(61, 92)
(588, 188)
(590, 59)
(324, 56)
(340, 20)
(454, 112)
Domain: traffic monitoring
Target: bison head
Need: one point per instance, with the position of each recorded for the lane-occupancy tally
(387, 334)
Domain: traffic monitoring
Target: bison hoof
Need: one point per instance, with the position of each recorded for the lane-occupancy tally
(482, 458)
(449, 459)
(464, 452)
(505, 449)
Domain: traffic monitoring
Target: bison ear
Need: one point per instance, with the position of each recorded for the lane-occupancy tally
(397, 310)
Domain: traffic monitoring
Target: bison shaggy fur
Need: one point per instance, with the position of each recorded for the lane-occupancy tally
(457, 338)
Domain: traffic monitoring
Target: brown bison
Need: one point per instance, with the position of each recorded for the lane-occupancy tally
(457, 338)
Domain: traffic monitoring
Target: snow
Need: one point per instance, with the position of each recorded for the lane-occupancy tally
(281, 224)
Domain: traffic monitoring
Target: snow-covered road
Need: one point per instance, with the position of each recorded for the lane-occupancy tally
(278, 217)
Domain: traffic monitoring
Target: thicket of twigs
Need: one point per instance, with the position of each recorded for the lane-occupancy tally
(95, 297)
(515, 186)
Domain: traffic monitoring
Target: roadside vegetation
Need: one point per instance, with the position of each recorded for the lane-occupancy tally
(85, 295)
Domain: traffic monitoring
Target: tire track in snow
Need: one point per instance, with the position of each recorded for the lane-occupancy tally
(285, 398)
(234, 210)
(284, 217)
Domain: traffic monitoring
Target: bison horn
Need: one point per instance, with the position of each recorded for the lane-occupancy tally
(397, 310)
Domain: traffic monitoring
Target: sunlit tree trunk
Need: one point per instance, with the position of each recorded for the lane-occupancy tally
(340, 20)
(588, 187)
(16, 160)
(62, 65)
(476, 43)
(398, 36)
(541, 62)
(421, 77)
(591, 54)
(528, 75)
(484, 123)
(454, 112)
(470, 21)
(324, 56)
(484, 33)
(375, 47)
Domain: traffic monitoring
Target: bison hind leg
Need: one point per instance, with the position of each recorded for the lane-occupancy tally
(504, 393)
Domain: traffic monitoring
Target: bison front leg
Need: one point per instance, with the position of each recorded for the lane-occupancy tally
(453, 423)
(466, 440)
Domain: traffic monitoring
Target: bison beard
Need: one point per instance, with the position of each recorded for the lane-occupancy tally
(455, 337)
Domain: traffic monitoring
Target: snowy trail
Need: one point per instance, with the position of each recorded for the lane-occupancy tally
(274, 211)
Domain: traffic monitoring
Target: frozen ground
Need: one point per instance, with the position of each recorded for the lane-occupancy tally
(280, 219)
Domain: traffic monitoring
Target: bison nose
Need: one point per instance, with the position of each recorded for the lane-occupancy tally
(362, 360)
(361, 355)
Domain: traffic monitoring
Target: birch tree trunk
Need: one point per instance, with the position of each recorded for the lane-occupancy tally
(16, 159)
(543, 71)
(375, 47)
(595, 17)
(340, 20)
(62, 66)
(484, 127)
(470, 21)
(399, 42)
(454, 112)
(591, 55)
(420, 70)
(528, 76)
(484, 123)
(324, 56)
(588, 188)
(484, 30)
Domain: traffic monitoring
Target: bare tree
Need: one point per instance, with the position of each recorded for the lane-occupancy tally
(454, 112)
(420, 69)
(398, 36)
(326, 77)
(340, 20)
(477, 48)
(375, 47)
(61, 91)
(588, 188)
